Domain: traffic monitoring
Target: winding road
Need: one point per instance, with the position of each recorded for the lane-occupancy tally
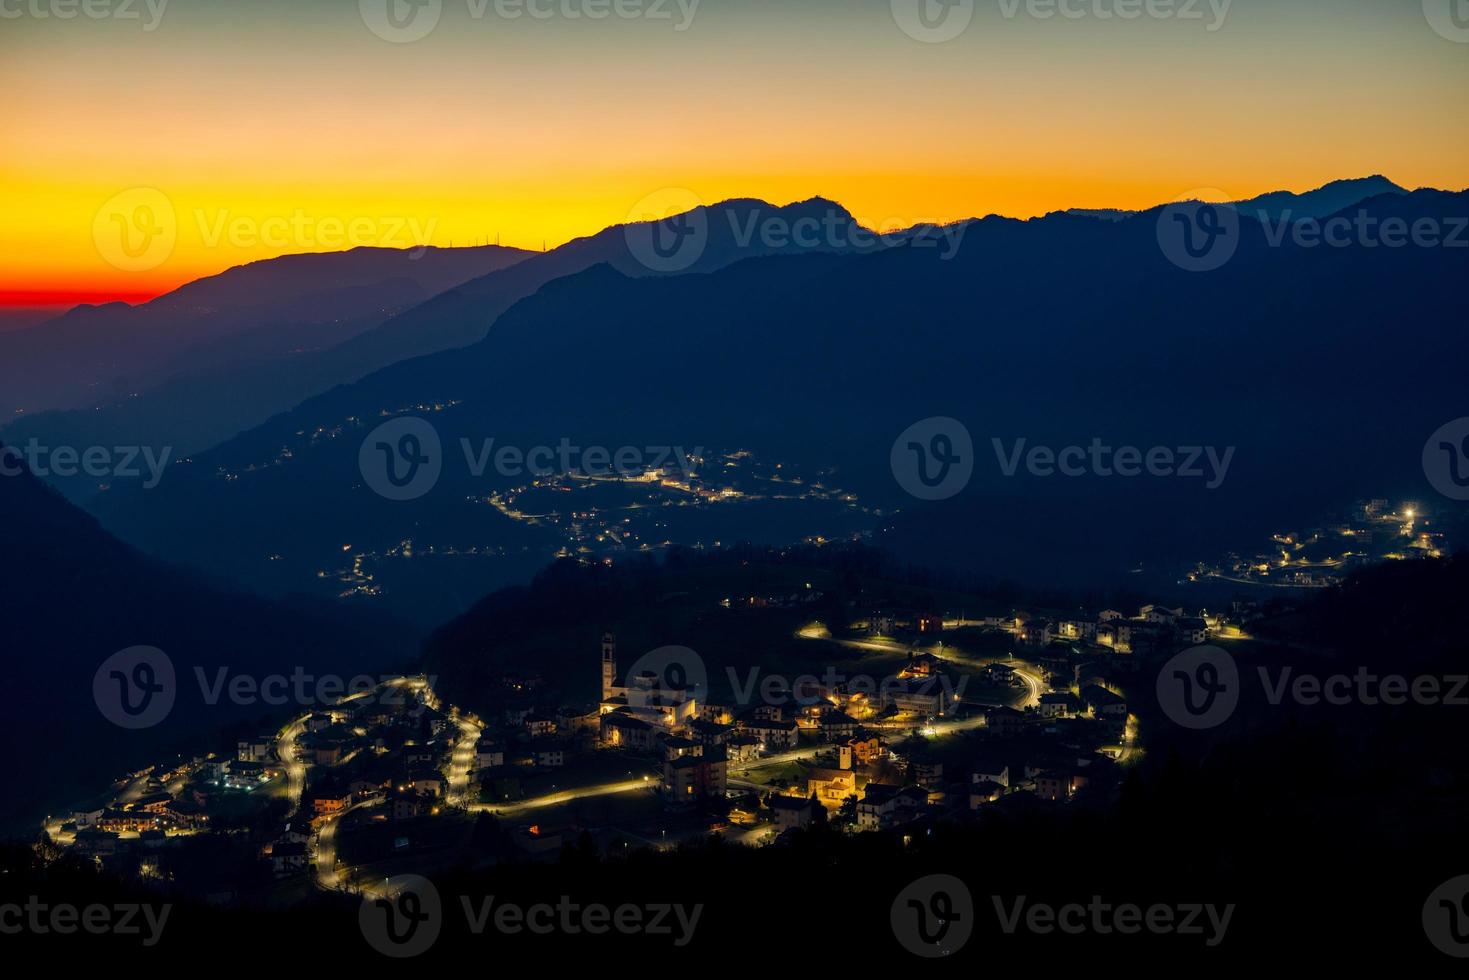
(461, 765)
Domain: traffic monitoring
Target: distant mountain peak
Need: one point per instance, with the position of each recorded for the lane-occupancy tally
(1327, 199)
(824, 203)
(811, 205)
(1370, 179)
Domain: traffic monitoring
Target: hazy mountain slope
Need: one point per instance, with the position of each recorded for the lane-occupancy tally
(1276, 205)
(462, 316)
(212, 401)
(1325, 200)
(1057, 331)
(94, 353)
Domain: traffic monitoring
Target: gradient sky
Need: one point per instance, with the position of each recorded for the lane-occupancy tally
(540, 130)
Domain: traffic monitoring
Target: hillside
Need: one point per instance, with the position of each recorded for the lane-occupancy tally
(1055, 331)
(79, 596)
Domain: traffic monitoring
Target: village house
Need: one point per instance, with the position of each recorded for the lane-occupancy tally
(623, 730)
(773, 734)
(575, 720)
(426, 782)
(128, 821)
(1054, 663)
(928, 623)
(1005, 721)
(928, 773)
(488, 755)
(717, 713)
(702, 773)
(1104, 704)
(1034, 633)
(365, 789)
(922, 665)
(865, 748)
(990, 770)
(406, 806)
(153, 802)
(677, 746)
(86, 818)
(256, 749)
(1133, 636)
(791, 812)
(421, 755)
(287, 858)
(1077, 629)
(837, 726)
(295, 833)
(1192, 630)
(186, 814)
(330, 803)
(984, 792)
(710, 732)
(1059, 704)
(742, 747)
(925, 698)
(881, 624)
(248, 775)
(884, 805)
(1056, 786)
(1161, 614)
(998, 675)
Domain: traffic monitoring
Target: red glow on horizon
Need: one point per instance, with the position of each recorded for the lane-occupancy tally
(67, 298)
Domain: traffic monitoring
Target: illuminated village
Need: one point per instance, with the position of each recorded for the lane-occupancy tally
(1322, 556)
(392, 777)
(645, 509)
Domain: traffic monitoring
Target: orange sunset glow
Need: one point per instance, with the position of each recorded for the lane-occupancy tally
(282, 127)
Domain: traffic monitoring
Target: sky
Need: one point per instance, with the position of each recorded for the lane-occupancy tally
(146, 143)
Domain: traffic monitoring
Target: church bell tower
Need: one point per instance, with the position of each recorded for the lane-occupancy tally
(609, 664)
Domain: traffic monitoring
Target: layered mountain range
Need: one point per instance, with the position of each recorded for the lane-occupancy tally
(1299, 363)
